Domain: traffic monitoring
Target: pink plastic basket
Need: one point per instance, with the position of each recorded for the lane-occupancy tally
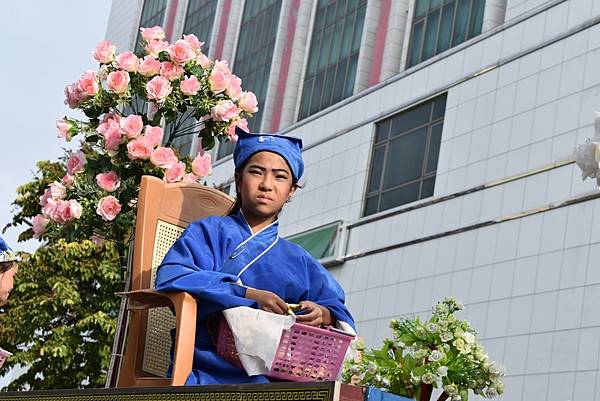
(304, 353)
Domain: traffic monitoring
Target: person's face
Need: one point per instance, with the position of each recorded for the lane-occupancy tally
(265, 184)
(7, 281)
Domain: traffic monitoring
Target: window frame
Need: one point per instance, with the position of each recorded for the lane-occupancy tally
(137, 46)
(207, 41)
(385, 143)
(339, 243)
(345, 63)
(470, 31)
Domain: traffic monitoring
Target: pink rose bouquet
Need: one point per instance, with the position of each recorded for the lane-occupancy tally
(135, 106)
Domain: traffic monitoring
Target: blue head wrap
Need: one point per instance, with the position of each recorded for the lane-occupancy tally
(288, 147)
(6, 254)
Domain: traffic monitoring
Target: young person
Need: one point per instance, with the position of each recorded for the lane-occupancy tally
(8, 269)
(239, 259)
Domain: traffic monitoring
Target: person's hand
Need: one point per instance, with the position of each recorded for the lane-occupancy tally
(314, 314)
(267, 301)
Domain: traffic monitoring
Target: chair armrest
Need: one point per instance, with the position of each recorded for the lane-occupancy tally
(147, 299)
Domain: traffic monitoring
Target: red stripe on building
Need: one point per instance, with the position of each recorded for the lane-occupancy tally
(172, 13)
(220, 42)
(285, 65)
(377, 60)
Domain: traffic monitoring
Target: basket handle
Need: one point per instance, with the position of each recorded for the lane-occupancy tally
(331, 328)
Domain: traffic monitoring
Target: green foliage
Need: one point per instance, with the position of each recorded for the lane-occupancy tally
(61, 316)
(442, 352)
(28, 196)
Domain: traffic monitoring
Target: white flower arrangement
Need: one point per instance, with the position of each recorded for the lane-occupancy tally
(587, 155)
(442, 353)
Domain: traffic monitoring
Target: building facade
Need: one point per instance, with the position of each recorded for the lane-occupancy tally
(437, 137)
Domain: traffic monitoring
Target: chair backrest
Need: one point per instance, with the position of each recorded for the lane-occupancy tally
(164, 210)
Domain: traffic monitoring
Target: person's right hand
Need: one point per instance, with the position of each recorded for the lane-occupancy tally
(267, 301)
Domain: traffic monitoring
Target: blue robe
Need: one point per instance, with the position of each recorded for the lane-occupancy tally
(202, 263)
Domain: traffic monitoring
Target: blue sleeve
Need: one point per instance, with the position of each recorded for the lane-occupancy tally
(191, 265)
(327, 292)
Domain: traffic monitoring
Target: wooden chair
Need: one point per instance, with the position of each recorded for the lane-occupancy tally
(164, 210)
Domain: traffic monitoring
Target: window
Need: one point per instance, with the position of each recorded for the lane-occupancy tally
(199, 20)
(405, 155)
(255, 50)
(225, 148)
(333, 57)
(324, 243)
(441, 24)
(153, 13)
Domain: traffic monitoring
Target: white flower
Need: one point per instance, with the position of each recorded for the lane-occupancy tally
(491, 392)
(432, 327)
(436, 356)
(469, 338)
(587, 156)
(451, 389)
(446, 336)
(496, 369)
(442, 371)
(372, 368)
(428, 378)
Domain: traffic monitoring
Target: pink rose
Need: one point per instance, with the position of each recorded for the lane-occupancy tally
(219, 78)
(158, 88)
(57, 190)
(105, 52)
(88, 84)
(68, 181)
(163, 157)
(39, 225)
(154, 135)
(149, 66)
(128, 61)
(108, 181)
(132, 126)
(170, 70)
(189, 178)
(73, 97)
(234, 87)
(190, 86)
(202, 164)
(111, 131)
(154, 47)
(193, 42)
(224, 110)
(203, 60)
(96, 239)
(110, 122)
(139, 149)
(154, 33)
(231, 134)
(76, 163)
(108, 207)
(248, 102)
(64, 128)
(69, 210)
(49, 208)
(175, 173)
(118, 81)
(45, 197)
(181, 52)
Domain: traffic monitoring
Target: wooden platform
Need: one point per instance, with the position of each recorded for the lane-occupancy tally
(324, 391)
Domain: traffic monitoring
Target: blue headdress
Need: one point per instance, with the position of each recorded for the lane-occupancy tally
(288, 147)
(6, 254)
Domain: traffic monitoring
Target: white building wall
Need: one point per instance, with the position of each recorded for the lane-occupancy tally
(520, 97)
(123, 22)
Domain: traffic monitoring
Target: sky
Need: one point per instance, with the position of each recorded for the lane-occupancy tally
(46, 45)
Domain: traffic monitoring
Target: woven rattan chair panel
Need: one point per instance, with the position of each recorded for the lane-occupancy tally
(160, 320)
